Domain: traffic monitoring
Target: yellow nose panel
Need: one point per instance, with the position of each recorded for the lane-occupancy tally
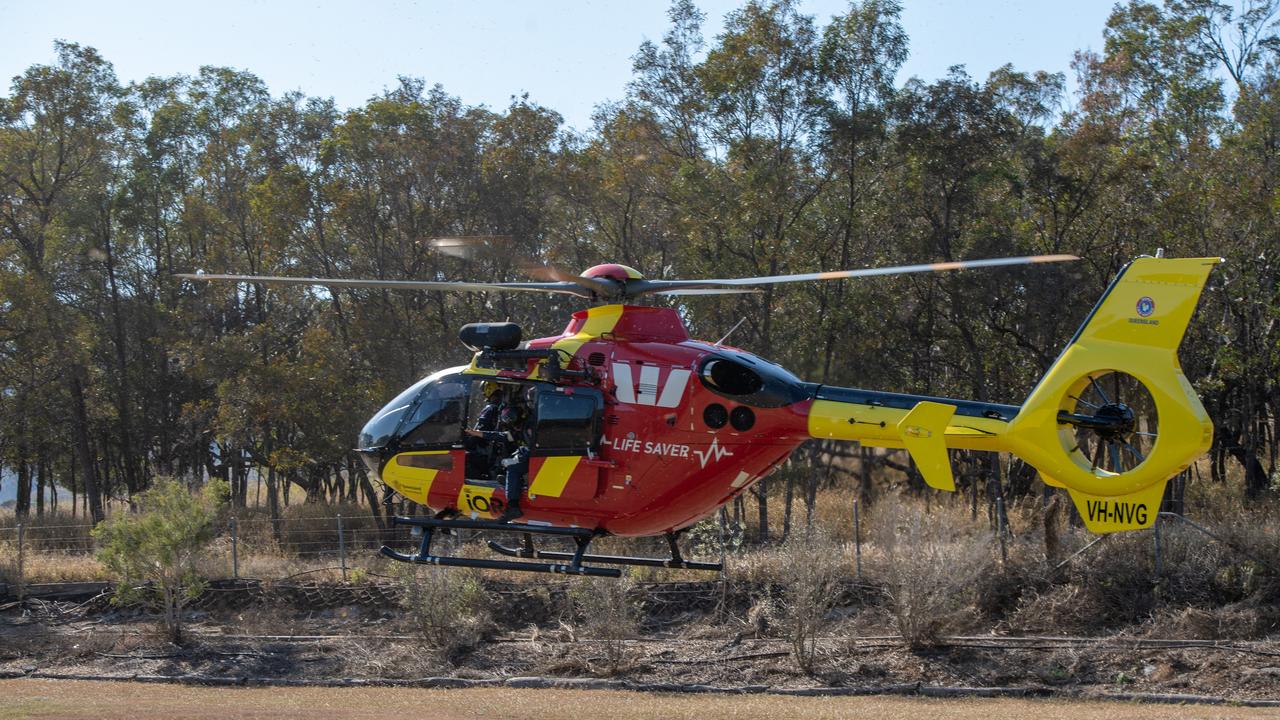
(408, 480)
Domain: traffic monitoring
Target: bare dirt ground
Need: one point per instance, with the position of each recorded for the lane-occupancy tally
(106, 701)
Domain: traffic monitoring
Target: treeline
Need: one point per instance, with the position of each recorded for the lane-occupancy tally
(782, 145)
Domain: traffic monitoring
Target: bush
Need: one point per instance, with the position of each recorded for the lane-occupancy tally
(154, 552)
(448, 607)
(930, 569)
(810, 574)
(606, 613)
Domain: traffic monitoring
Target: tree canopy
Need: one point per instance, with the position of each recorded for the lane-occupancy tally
(781, 145)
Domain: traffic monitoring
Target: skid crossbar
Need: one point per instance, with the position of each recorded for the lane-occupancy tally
(675, 562)
(582, 538)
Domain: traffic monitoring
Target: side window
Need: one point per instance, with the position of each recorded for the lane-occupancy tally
(567, 422)
(437, 419)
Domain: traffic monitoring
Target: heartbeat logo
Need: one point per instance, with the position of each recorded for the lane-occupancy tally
(712, 453)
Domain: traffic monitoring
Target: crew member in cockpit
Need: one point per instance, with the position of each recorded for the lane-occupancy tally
(512, 435)
(485, 444)
(517, 421)
(505, 426)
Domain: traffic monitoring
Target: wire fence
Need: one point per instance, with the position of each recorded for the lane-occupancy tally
(33, 551)
(252, 545)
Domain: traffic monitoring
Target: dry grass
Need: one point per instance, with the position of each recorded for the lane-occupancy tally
(121, 701)
(929, 569)
(938, 565)
(448, 608)
(605, 610)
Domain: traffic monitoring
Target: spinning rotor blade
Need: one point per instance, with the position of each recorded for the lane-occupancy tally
(468, 247)
(652, 286)
(615, 288)
(554, 287)
(545, 271)
(465, 247)
(709, 291)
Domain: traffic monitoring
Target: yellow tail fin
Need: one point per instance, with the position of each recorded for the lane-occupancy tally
(1134, 331)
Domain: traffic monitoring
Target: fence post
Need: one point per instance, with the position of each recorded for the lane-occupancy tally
(1001, 529)
(723, 604)
(342, 549)
(1159, 555)
(22, 570)
(857, 537)
(235, 548)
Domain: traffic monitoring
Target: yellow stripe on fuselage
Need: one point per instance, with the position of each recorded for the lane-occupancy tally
(476, 500)
(600, 320)
(554, 475)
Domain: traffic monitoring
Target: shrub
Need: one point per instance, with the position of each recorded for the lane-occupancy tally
(810, 573)
(930, 568)
(154, 552)
(605, 612)
(448, 607)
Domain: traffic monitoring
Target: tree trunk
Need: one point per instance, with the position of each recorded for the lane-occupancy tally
(84, 451)
(786, 505)
(1255, 476)
(273, 505)
(1051, 511)
(864, 474)
(22, 508)
(42, 473)
(371, 496)
(124, 399)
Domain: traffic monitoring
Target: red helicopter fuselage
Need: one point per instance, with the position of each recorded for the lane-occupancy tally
(669, 429)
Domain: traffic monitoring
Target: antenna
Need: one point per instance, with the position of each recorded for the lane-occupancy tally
(735, 327)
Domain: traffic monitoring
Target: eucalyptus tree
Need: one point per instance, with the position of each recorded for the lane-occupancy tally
(55, 141)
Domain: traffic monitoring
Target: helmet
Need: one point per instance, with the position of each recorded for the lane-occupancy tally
(490, 389)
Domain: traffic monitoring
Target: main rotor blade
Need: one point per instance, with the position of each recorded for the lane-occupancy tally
(465, 247)
(556, 287)
(652, 286)
(708, 291)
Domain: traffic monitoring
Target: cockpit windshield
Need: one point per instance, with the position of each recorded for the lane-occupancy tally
(441, 387)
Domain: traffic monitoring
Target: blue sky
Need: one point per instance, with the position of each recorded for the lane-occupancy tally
(569, 56)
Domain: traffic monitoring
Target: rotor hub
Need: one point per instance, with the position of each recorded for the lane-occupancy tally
(613, 271)
(1111, 421)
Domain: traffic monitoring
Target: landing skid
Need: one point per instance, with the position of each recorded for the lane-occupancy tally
(675, 562)
(582, 537)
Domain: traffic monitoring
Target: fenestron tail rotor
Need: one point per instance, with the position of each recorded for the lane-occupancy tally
(1109, 422)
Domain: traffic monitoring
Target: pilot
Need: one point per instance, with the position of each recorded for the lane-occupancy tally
(488, 418)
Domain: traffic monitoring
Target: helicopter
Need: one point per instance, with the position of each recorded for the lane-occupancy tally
(635, 429)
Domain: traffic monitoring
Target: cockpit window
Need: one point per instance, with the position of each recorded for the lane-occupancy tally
(750, 380)
(382, 428)
(439, 414)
